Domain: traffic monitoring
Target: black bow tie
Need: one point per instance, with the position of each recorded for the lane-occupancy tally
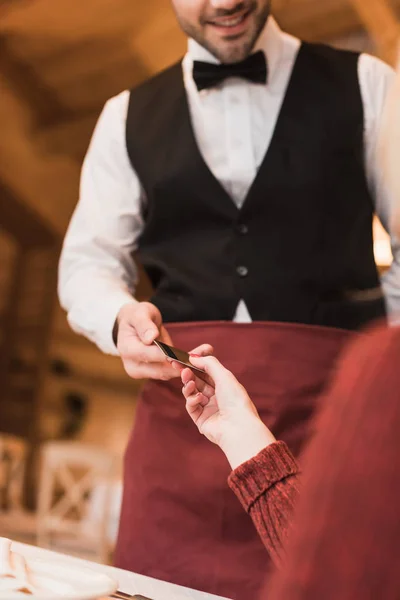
(253, 68)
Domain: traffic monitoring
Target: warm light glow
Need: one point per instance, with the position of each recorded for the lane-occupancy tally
(382, 249)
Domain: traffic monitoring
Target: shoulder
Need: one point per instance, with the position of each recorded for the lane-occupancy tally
(374, 69)
(116, 106)
(331, 64)
(112, 116)
(327, 53)
(108, 137)
(375, 77)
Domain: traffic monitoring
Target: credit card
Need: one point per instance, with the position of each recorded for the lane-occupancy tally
(179, 356)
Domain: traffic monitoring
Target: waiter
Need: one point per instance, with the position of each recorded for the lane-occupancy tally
(244, 178)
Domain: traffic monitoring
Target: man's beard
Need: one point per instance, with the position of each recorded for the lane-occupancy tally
(228, 51)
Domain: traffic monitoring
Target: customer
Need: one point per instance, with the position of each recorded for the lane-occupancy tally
(346, 533)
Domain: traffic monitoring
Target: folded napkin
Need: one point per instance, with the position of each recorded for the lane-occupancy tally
(17, 580)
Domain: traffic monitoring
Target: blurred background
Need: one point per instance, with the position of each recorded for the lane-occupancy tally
(60, 60)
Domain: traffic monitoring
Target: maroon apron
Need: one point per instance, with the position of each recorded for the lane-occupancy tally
(180, 522)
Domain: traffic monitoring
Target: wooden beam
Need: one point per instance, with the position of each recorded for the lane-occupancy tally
(26, 83)
(46, 183)
(22, 222)
(70, 137)
(381, 22)
(70, 80)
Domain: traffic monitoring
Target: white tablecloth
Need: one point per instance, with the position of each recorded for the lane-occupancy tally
(131, 583)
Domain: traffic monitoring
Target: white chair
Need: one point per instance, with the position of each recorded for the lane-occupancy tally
(15, 522)
(70, 474)
(12, 472)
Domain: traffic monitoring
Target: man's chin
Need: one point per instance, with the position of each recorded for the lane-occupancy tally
(231, 50)
(235, 55)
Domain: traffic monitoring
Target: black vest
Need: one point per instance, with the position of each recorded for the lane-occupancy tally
(301, 244)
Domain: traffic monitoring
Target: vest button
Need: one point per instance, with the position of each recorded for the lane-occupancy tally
(242, 271)
(243, 229)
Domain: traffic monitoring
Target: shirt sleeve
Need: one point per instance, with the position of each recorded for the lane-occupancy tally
(268, 487)
(375, 78)
(97, 274)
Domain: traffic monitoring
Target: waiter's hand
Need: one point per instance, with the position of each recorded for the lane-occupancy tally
(139, 324)
(223, 411)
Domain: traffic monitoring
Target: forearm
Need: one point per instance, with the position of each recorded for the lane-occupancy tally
(92, 299)
(268, 487)
(97, 274)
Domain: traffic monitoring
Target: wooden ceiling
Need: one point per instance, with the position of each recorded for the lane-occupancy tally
(60, 61)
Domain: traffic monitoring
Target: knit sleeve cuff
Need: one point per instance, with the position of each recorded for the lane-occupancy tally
(256, 476)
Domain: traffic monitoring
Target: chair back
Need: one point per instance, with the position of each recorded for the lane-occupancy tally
(13, 451)
(71, 472)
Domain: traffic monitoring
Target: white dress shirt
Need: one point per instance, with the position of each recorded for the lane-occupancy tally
(233, 125)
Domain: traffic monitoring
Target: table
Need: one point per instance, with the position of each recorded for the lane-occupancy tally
(128, 582)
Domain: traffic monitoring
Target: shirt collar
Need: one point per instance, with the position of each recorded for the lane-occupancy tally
(270, 42)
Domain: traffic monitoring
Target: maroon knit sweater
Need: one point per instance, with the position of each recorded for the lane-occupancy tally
(345, 538)
(268, 487)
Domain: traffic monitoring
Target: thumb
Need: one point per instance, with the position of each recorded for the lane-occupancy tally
(147, 322)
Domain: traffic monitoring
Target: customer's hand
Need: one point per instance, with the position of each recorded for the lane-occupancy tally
(223, 411)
